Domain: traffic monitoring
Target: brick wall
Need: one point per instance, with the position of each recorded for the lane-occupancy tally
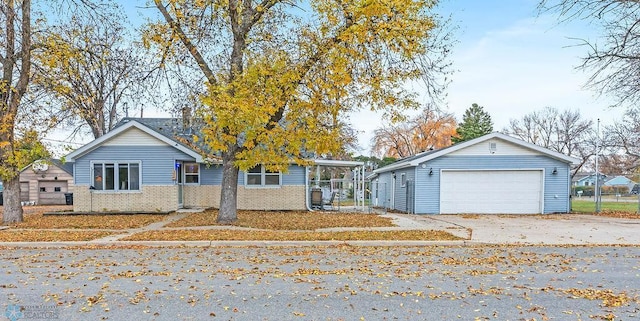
(151, 199)
(203, 196)
(165, 198)
(283, 198)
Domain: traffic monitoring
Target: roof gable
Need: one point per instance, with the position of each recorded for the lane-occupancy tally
(64, 166)
(481, 146)
(494, 146)
(144, 136)
(134, 137)
(619, 180)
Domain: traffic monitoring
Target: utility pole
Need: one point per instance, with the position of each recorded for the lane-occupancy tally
(597, 187)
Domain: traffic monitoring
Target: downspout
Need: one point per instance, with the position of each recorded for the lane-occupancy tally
(306, 189)
(570, 188)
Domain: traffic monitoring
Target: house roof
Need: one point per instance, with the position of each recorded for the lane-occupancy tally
(590, 176)
(431, 154)
(619, 180)
(175, 133)
(159, 128)
(66, 166)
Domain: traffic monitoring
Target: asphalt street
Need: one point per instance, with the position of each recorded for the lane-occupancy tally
(340, 282)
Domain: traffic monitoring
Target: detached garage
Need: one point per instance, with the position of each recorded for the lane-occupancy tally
(45, 182)
(492, 174)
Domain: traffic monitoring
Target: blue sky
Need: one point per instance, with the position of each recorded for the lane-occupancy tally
(509, 59)
(512, 61)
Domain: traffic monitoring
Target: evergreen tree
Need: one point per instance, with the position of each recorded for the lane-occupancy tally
(475, 123)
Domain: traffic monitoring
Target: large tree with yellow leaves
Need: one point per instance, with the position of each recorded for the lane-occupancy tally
(281, 74)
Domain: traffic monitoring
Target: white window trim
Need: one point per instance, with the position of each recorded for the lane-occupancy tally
(263, 174)
(184, 173)
(116, 175)
(403, 180)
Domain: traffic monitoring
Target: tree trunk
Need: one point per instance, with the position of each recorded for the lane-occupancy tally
(12, 209)
(228, 212)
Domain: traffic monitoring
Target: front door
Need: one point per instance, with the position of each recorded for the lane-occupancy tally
(180, 183)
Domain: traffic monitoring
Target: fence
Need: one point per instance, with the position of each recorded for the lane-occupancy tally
(614, 192)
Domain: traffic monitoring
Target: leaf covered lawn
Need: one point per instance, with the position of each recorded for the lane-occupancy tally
(93, 221)
(288, 220)
(50, 236)
(235, 235)
(619, 214)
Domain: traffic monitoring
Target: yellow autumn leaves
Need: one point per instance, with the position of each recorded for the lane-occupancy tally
(251, 226)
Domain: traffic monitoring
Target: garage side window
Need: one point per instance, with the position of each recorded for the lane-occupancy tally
(116, 176)
(403, 179)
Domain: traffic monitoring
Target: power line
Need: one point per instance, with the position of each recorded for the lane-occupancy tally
(62, 141)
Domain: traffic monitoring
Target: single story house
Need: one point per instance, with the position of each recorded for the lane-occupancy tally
(590, 180)
(493, 174)
(45, 182)
(153, 165)
(621, 184)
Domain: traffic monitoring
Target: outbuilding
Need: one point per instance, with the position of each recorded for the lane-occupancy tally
(492, 174)
(46, 182)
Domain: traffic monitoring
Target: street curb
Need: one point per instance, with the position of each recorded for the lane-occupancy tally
(229, 243)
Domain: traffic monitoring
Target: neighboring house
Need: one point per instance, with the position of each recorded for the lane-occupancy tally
(623, 184)
(589, 180)
(494, 173)
(45, 182)
(153, 165)
(578, 177)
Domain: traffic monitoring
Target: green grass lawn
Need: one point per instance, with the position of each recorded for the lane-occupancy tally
(589, 206)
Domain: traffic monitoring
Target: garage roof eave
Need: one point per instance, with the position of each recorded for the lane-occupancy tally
(392, 167)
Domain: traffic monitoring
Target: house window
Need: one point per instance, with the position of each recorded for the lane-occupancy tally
(43, 189)
(259, 176)
(57, 189)
(403, 179)
(116, 176)
(191, 173)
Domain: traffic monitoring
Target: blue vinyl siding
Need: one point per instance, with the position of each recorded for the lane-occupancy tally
(383, 189)
(295, 175)
(157, 162)
(556, 187)
(400, 192)
(211, 175)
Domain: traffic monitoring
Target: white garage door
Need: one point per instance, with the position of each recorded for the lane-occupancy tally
(52, 192)
(491, 191)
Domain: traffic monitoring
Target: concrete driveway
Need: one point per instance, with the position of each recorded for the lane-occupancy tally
(573, 229)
